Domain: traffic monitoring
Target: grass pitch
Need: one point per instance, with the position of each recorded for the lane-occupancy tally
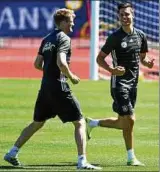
(53, 147)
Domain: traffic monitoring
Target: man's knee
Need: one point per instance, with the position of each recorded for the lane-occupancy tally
(79, 123)
(128, 122)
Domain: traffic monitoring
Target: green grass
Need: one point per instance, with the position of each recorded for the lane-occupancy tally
(53, 147)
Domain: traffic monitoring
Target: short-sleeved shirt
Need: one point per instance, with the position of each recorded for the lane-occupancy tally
(125, 50)
(55, 96)
(55, 42)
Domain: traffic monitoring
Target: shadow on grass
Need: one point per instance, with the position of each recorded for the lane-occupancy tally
(60, 164)
(39, 166)
(114, 165)
(42, 166)
(10, 167)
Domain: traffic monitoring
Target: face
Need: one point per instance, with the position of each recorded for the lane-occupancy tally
(67, 25)
(126, 16)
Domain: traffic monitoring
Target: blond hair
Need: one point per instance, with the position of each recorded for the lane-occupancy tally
(63, 14)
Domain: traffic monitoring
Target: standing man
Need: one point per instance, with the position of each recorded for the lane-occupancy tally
(55, 96)
(128, 46)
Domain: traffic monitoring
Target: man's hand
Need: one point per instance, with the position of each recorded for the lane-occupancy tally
(150, 63)
(146, 61)
(118, 70)
(74, 79)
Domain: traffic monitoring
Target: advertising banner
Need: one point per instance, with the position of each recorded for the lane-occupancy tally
(35, 18)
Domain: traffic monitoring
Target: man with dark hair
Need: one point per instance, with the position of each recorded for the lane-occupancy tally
(55, 96)
(125, 5)
(127, 46)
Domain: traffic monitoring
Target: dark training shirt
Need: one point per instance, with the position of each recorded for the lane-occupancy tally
(56, 41)
(125, 50)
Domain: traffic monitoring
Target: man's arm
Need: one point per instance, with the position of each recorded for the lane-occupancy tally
(118, 70)
(145, 61)
(63, 66)
(38, 63)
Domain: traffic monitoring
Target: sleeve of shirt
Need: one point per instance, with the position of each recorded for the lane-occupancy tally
(109, 45)
(144, 46)
(63, 44)
(40, 51)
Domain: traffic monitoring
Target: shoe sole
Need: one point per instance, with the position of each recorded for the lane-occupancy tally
(142, 165)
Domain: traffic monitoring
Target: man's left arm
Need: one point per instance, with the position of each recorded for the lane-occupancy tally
(146, 61)
(144, 49)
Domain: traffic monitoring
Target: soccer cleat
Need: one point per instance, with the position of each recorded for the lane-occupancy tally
(88, 166)
(12, 160)
(135, 162)
(88, 128)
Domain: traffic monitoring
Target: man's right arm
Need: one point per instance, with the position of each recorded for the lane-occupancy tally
(38, 63)
(118, 70)
(101, 61)
(63, 66)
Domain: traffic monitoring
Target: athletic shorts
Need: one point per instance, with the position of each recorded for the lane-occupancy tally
(124, 100)
(49, 104)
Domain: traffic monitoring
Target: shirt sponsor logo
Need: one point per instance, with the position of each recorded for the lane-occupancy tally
(48, 47)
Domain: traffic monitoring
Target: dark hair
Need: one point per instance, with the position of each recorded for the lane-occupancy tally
(124, 5)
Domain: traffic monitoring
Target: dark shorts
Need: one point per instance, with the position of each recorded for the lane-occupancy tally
(64, 104)
(124, 100)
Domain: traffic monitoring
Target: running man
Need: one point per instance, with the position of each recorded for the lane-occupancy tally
(55, 96)
(128, 46)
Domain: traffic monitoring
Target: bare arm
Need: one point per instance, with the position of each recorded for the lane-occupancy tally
(63, 66)
(38, 63)
(118, 70)
(145, 61)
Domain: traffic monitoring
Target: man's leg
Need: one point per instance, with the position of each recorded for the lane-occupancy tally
(128, 123)
(124, 123)
(25, 135)
(129, 140)
(80, 138)
(112, 122)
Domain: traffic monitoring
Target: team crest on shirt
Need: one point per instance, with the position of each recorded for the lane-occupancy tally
(48, 46)
(125, 108)
(124, 44)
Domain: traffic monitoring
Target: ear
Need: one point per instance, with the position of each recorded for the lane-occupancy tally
(61, 24)
(132, 11)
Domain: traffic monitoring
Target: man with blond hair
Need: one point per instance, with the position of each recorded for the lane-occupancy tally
(55, 96)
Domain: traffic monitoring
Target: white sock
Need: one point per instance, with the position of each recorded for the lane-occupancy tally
(130, 154)
(82, 159)
(94, 123)
(14, 151)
